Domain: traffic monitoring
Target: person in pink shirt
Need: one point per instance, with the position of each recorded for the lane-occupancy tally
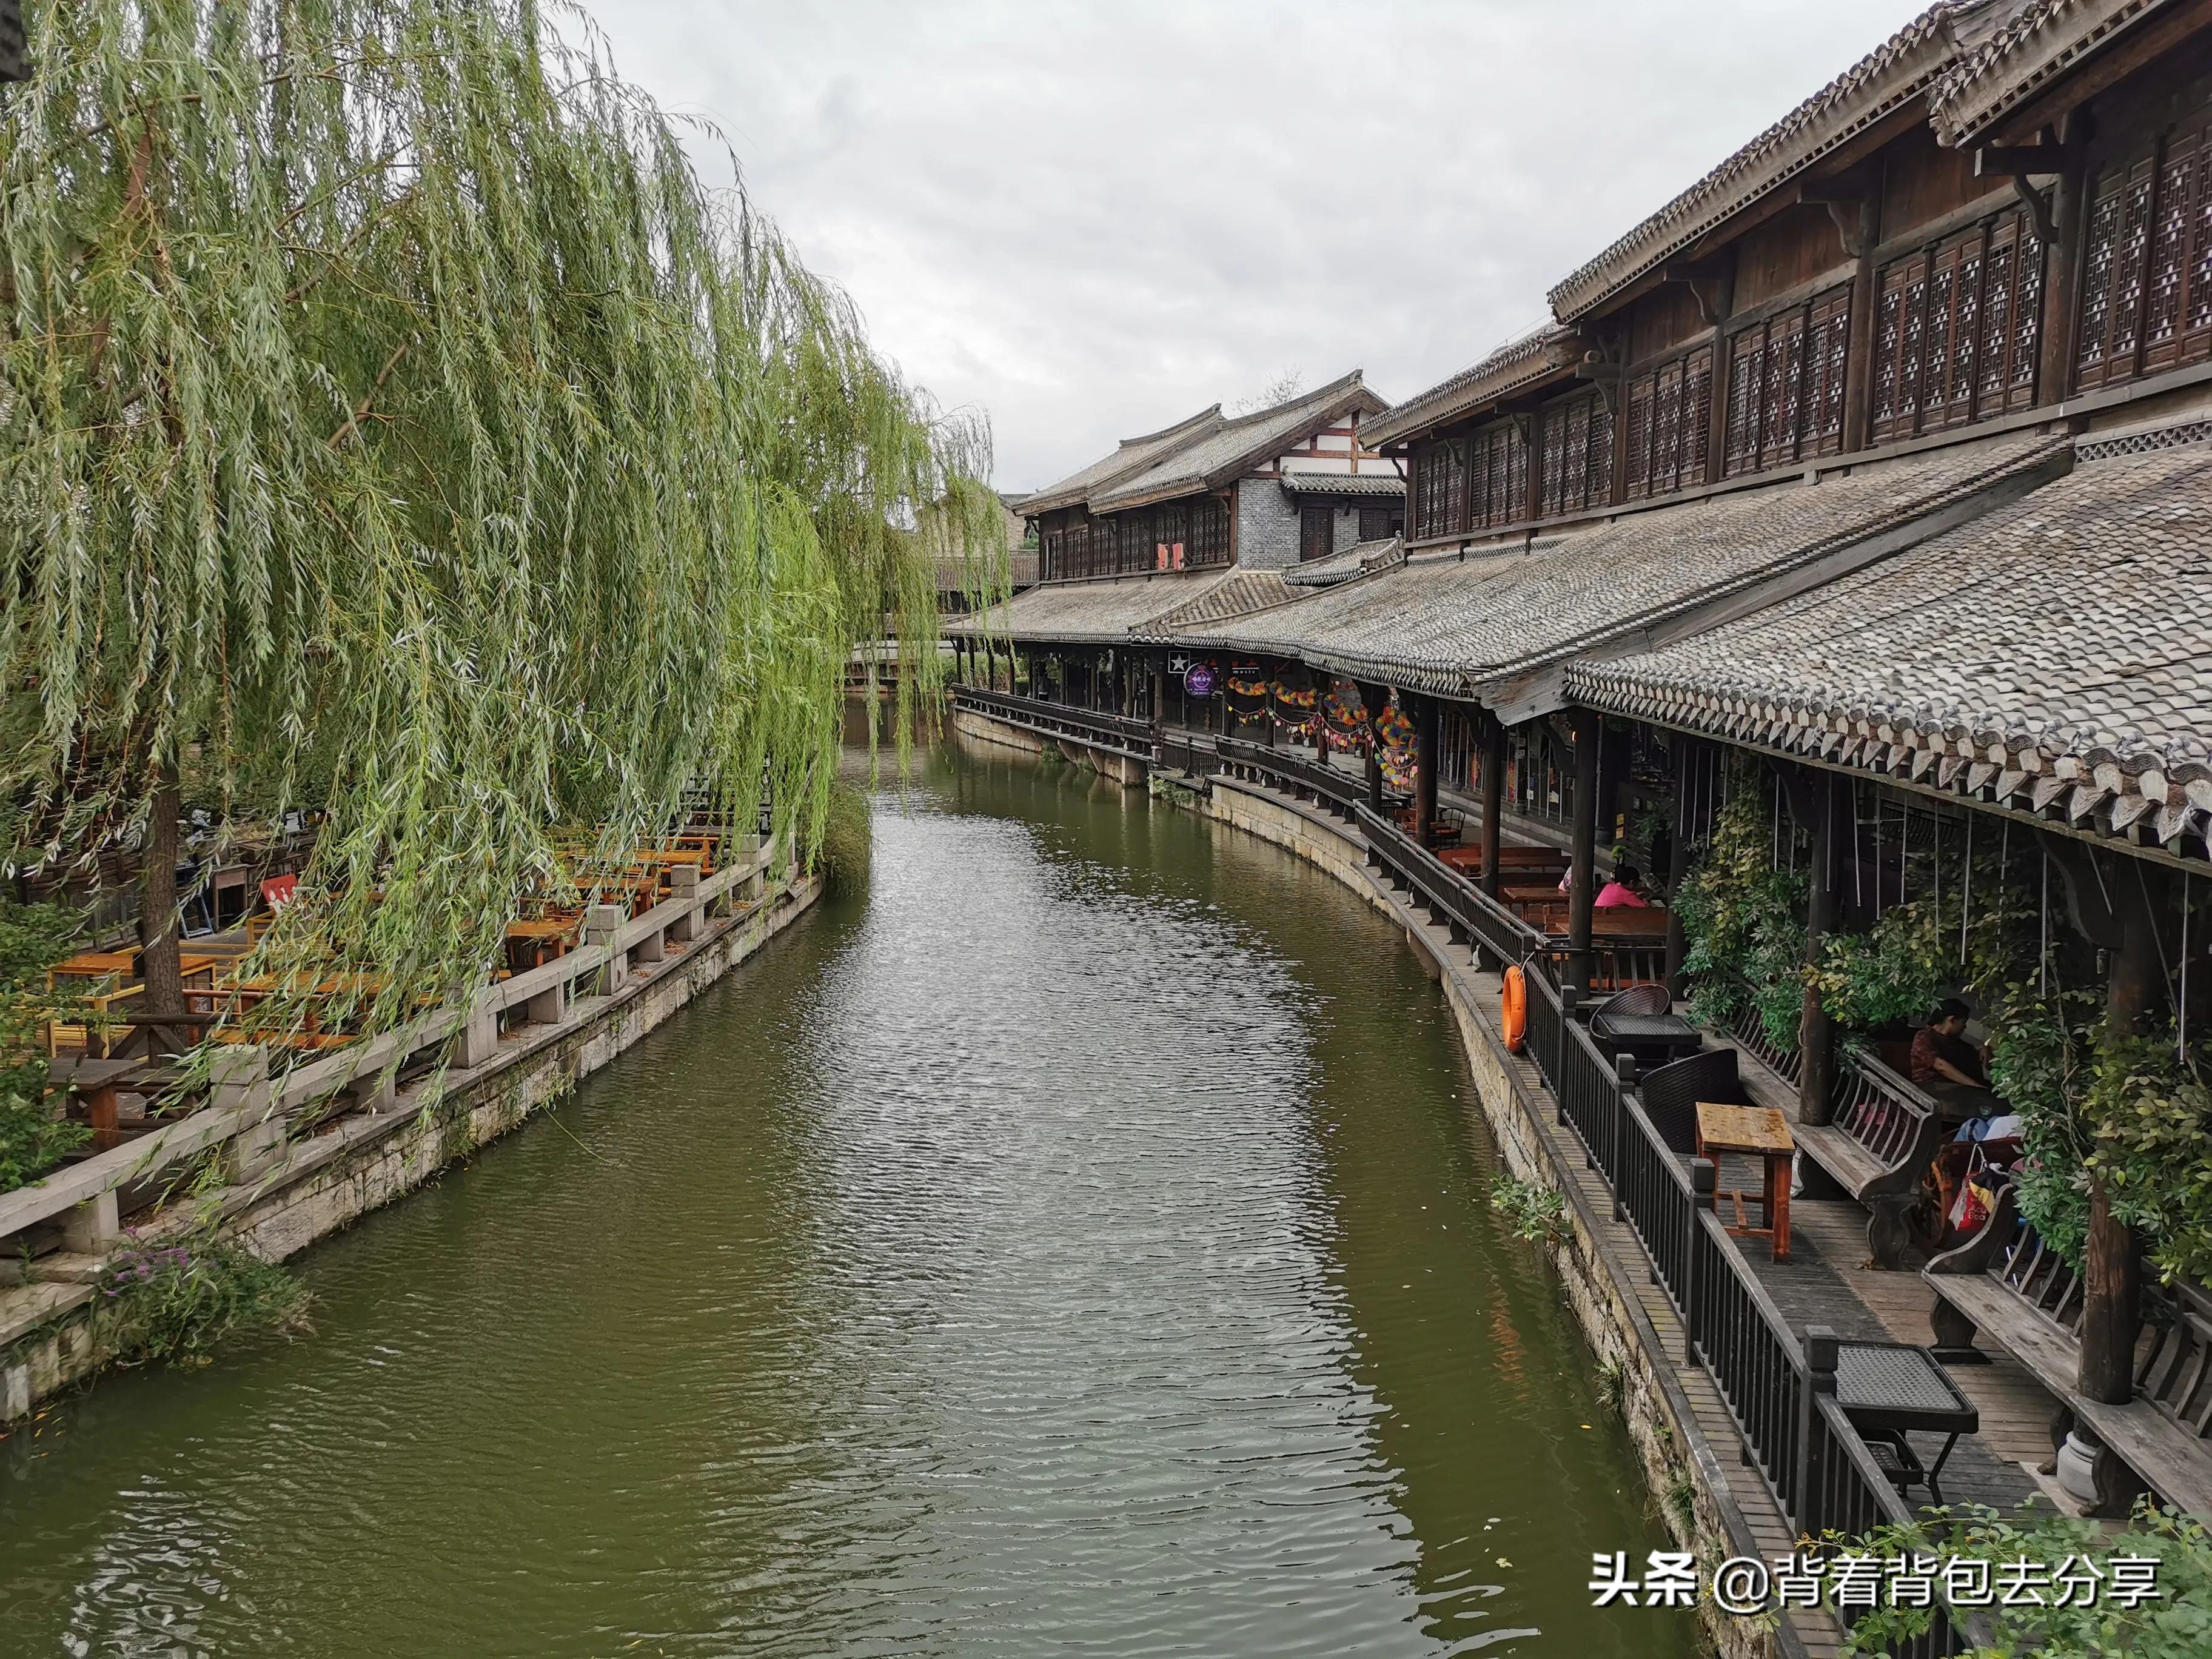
(1620, 891)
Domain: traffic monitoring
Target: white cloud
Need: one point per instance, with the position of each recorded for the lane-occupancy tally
(1092, 220)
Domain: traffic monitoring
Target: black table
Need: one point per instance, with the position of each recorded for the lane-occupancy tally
(1647, 1036)
(1890, 1388)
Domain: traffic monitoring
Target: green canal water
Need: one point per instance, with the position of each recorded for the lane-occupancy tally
(1079, 1244)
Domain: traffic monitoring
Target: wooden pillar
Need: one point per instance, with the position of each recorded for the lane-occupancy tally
(1815, 796)
(1582, 893)
(1494, 799)
(1374, 699)
(159, 946)
(2061, 285)
(1859, 371)
(1678, 865)
(2110, 1270)
(1426, 758)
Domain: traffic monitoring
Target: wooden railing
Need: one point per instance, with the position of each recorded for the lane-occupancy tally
(1499, 938)
(1118, 734)
(1309, 777)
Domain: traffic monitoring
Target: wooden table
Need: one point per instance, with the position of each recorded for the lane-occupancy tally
(1629, 922)
(101, 964)
(540, 939)
(1760, 1132)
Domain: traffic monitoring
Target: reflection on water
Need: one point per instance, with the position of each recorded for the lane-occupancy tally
(1081, 1243)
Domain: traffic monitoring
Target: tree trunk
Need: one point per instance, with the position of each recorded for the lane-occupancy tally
(160, 956)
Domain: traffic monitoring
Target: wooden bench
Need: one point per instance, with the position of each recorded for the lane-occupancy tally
(2006, 1284)
(1880, 1141)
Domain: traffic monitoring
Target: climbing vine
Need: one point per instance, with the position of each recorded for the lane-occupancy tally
(1744, 923)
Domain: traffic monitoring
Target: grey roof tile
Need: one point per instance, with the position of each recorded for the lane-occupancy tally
(1105, 612)
(1229, 444)
(1446, 625)
(2067, 635)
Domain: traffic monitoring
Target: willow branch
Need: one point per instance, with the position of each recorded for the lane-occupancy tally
(353, 420)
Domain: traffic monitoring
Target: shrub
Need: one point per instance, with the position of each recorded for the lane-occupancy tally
(2177, 1625)
(179, 1302)
(1533, 1212)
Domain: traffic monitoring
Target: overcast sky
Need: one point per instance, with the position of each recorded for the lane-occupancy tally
(1093, 220)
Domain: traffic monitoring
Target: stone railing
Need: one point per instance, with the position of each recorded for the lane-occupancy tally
(243, 1119)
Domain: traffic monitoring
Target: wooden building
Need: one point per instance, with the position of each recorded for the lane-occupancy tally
(1874, 471)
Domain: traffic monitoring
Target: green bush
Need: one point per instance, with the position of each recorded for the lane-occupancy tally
(178, 1303)
(2177, 1625)
(1535, 1212)
(1886, 977)
(33, 1140)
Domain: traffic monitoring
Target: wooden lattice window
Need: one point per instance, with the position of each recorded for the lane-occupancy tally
(1786, 386)
(1377, 523)
(1208, 543)
(2147, 274)
(1669, 409)
(1578, 455)
(1134, 539)
(1440, 488)
(1957, 329)
(1053, 561)
(1498, 476)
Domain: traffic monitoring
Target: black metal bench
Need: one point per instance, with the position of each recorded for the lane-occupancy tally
(2006, 1284)
(1880, 1141)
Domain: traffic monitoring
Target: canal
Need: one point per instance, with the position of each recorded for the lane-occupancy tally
(1080, 1242)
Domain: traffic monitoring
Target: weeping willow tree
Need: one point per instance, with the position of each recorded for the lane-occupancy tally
(393, 427)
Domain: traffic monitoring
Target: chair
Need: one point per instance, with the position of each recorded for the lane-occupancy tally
(1636, 1000)
(1671, 1092)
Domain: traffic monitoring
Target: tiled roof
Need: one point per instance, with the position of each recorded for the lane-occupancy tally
(2058, 651)
(1344, 483)
(1132, 455)
(1894, 73)
(1244, 592)
(1104, 612)
(1451, 627)
(1360, 559)
(1524, 358)
(2041, 40)
(1231, 446)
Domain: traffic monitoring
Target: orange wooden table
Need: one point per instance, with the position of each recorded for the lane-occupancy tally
(1760, 1132)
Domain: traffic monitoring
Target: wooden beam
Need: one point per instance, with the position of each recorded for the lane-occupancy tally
(2143, 45)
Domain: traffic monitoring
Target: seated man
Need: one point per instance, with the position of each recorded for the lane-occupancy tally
(1952, 1071)
(1621, 892)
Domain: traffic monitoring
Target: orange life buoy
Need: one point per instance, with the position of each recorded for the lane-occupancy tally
(1516, 1008)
